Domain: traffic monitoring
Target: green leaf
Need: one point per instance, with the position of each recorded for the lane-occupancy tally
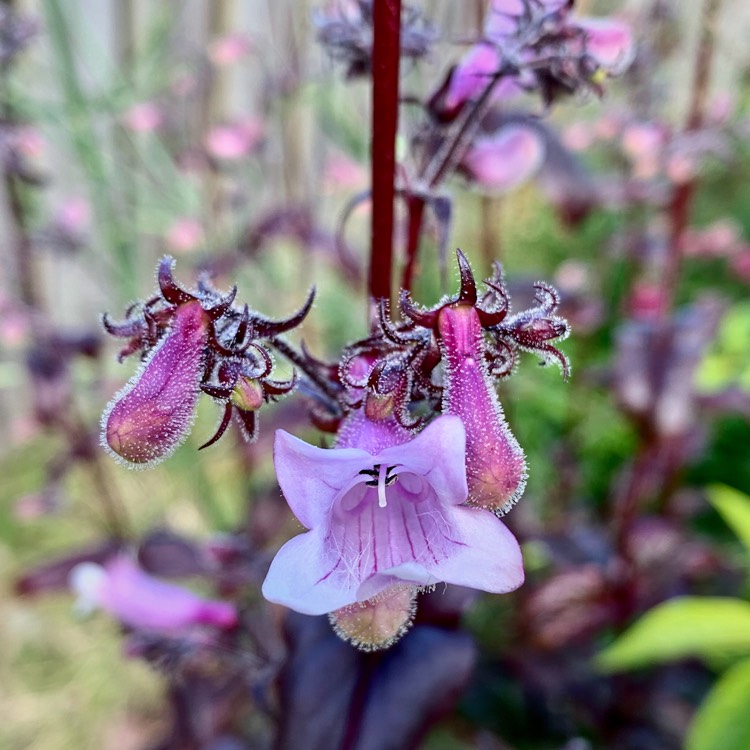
(734, 507)
(723, 720)
(690, 626)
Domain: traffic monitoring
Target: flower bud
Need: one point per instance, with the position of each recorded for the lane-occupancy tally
(495, 463)
(248, 394)
(151, 416)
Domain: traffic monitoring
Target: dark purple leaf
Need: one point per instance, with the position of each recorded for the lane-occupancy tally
(164, 553)
(336, 698)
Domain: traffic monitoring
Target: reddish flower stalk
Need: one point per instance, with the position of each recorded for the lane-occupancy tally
(682, 198)
(415, 208)
(385, 70)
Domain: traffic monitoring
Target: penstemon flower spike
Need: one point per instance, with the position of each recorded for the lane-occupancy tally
(190, 342)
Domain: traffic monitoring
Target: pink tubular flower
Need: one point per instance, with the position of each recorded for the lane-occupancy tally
(506, 160)
(141, 601)
(152, 415)
(495, 464)
(384, 515)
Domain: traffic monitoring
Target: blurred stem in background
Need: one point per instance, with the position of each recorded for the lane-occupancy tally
(123, 22)
(214, 104)
(88, 149)
(682, 198)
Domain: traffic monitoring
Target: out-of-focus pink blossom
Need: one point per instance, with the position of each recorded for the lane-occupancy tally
(14, 327)
(343, 173)
(644, 143)
(722, 239)
(681, 168)
(472, 75)
(231, 142)
(145, 117)
(643, 139)
(646, 302)
(504, 15)
(578, 136)
(36, 505)
(139, 600)
(609, 42)
(505, 160)
(607, 127)
(721, 108)
(185, 234)
(229, 48)
(73, 217)
(740, 264)
(29, 141)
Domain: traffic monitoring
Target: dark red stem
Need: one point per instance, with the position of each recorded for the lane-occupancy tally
(385, 68)
(415, 215)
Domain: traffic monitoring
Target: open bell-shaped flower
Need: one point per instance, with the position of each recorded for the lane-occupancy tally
(385, 514)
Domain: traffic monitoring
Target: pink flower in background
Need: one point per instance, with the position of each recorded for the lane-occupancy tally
(383, 514)
(343, 173)
(228, 49)
(646, 301)
(139, 600)
(644, 144)
(643, 139)
(504, 16)
(29, 141)
(578, 136)
(503, 161)
(472, 75)
(145, 117)
(682, 168)
(609, 42)
(73, 216)
(740, 264)
(231, 142)
(184, 235)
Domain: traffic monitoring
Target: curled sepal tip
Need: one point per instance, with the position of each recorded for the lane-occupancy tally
(468, 292)
(152, 415)
(379, 622)
(170, 290)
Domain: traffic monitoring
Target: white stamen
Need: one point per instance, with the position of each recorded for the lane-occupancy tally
(382, 473)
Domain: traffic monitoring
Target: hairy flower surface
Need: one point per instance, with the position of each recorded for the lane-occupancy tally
(495, 464)
(385, 513)
(141, 601)
(153, 414)
(190, 342)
